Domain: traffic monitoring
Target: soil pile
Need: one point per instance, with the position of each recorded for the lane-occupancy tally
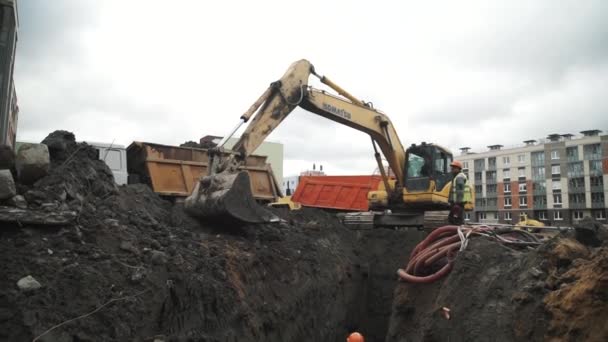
(500, 294)
(132, 266)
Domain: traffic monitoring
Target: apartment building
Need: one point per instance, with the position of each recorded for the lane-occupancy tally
(558, 180)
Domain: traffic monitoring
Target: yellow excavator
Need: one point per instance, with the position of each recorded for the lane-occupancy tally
(422, 173)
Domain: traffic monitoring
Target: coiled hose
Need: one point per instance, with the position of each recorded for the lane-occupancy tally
(433, 258)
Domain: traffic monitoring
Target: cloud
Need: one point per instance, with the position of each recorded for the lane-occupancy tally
(474, 73)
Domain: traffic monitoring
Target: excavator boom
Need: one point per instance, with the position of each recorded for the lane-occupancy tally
(219, 193)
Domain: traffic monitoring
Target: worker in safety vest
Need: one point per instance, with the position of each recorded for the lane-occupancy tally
(355, 337)
(460, 193)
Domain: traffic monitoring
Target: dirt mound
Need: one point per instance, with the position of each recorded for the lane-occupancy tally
(132, 266)
(579, 304)
(496, 293)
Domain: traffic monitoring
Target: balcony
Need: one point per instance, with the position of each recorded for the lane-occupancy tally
(490, 180)
(575, 174)
(593, 156)
(537, 161)
(578, 205)
(540, 205)
(573, 158)
(541, 191)
(598, 205)
(595, 173)
(597, 188)
(576, 190)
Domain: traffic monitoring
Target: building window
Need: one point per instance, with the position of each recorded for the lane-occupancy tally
(506, 174)
(596, 181)
(576, 183)
(595, 167)
(542, 215)
(555, 170)
(490, 176)
(491, 188)
(477, 176)
(593, 151)
(540, 201)
(467, 216)
(523, 201)
(480, 164)
(507, 188)
(506, 160)
(482, 215)
(597, 197)
(507, 202)
(522, 187)
(538, 158)
(556, 186)
(521, 158)
(577, 198)
(557, 215)
(554, 155)
(465, 165)
(538, 172)
(478, 189)
(540, 187)
(508, 216)
(578, 215)
(572, 153)
(557, 199)
(492, 163)
(600, 215)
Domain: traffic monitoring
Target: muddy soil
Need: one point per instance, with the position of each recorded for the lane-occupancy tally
(557, 292)
(134, 267)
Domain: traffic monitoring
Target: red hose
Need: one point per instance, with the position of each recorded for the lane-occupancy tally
(431, 251)
(432, 258)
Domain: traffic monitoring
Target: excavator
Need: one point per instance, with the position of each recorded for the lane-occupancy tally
(422, 178)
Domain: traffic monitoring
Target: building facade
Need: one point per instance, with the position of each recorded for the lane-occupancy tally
(9, 111)
(558, 181)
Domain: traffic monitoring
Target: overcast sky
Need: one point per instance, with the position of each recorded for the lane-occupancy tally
(456, 73)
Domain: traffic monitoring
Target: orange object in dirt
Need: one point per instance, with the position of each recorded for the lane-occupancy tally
(355, 337)
(335, 192)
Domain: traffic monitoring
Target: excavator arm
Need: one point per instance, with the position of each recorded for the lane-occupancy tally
(218, 193)
(292, 90)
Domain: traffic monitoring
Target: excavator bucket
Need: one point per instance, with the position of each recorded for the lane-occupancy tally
(226, 197)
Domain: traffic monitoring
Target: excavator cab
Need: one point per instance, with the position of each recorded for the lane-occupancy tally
(427, 168)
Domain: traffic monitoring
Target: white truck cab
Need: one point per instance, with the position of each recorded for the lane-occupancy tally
(115, 156)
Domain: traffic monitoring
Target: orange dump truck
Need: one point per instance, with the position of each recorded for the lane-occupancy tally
(173, 171)
(347, 193)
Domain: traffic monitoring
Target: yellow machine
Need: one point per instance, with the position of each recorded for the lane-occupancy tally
(422, 172)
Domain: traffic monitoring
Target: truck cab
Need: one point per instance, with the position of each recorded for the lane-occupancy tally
(115, 156)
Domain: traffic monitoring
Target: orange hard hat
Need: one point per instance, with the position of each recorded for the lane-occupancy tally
(355, 337)
(457, 164)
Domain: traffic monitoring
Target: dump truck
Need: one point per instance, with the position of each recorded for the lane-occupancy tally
(338, 193)
(172, 171)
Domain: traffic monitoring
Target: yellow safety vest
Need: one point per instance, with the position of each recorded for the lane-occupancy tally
(466, 196)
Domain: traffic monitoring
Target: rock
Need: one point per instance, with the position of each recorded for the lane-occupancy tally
(32, 162)
(28, 283)
(127, 246)
(7, 185)
(159, 258)
(18, 201)
(59, 142)
(7, 157)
